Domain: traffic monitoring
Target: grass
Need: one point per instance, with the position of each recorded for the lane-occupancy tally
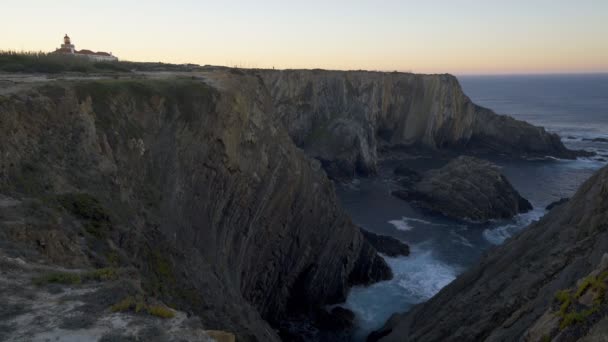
(42, 62)
(88, 209)
(160, 311)
(138, 304)
(72, 278)
(102, 274)
(58, 278)
(568, 313)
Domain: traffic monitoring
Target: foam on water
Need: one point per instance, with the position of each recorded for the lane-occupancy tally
(416, 278)
(401, 225)
(459, 239)
(498, 235)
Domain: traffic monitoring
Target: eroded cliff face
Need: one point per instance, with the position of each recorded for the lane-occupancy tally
(218, 210)
(343, 117)
(547, 283)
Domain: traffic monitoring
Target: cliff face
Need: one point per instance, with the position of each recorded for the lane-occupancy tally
(519, 290)
(343, 117)
(190, 182)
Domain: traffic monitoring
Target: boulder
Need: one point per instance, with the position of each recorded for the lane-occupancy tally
(466, 188)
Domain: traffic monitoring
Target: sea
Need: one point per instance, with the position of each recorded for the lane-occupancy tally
(574, 106)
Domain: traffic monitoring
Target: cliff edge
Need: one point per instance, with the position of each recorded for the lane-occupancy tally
(343, 118)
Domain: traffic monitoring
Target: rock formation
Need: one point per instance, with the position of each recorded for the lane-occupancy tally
(386, 244)
(342, 118)
(466, 188)
(189, 182)
(510, 294)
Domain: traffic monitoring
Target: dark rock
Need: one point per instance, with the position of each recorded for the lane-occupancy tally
(338, 318)
(205, 194)
(406, 175)
(507, 295)
(556, 203)
(466, 188)
(386, 244)
(602, 140)
(571, 137)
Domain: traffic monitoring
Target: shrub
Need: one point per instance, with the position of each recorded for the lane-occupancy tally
(160, 311)
(138, 304)
(124, 305)
(102, 274)
(58, 278)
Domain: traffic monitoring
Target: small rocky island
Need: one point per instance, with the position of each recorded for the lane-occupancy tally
(465, 188)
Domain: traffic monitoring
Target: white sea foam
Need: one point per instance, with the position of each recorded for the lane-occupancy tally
(499, 234)
(401, 225)
(423, 275)
(416, 278)
(404, 223)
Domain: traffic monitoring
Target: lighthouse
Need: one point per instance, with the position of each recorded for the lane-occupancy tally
(67, 44)
(67, 48)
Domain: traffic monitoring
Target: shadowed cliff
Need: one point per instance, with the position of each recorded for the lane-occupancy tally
(189, 182)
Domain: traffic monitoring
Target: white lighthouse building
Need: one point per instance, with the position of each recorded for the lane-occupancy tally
(67, 48)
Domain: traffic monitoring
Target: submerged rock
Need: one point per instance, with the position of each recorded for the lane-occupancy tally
(386, 244)
(467, 188)
(406, 175)
(556, 203)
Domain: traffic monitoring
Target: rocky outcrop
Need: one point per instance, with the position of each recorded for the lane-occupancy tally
(557, 203)
(515, 284)
(188, 181)
(343, 117)
(386, 244)
(466, 188)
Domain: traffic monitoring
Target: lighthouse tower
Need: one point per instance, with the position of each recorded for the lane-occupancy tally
(67, 44)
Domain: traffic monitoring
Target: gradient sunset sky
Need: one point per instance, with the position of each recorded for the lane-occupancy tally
(455, 36)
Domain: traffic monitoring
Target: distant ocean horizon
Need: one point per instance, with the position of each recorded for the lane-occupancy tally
(575, 106)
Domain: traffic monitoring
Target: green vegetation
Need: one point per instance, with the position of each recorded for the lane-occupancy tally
(162, 280)
(73, 278)
(160, 311)
(87, 208)
(569, 313)
(42, 62)
(138, 304)
(58, 278)
(102, 274)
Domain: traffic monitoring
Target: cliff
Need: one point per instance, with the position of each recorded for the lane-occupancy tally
(187, 181)
(343, 118)
(546, 283)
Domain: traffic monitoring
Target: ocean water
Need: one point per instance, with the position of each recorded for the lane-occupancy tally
(576, 107)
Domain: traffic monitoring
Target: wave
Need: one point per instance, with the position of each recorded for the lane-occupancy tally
(403, 224)
(416, 278)
(498, 235)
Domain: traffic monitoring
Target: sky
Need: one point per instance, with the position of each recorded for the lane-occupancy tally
(432, 36)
